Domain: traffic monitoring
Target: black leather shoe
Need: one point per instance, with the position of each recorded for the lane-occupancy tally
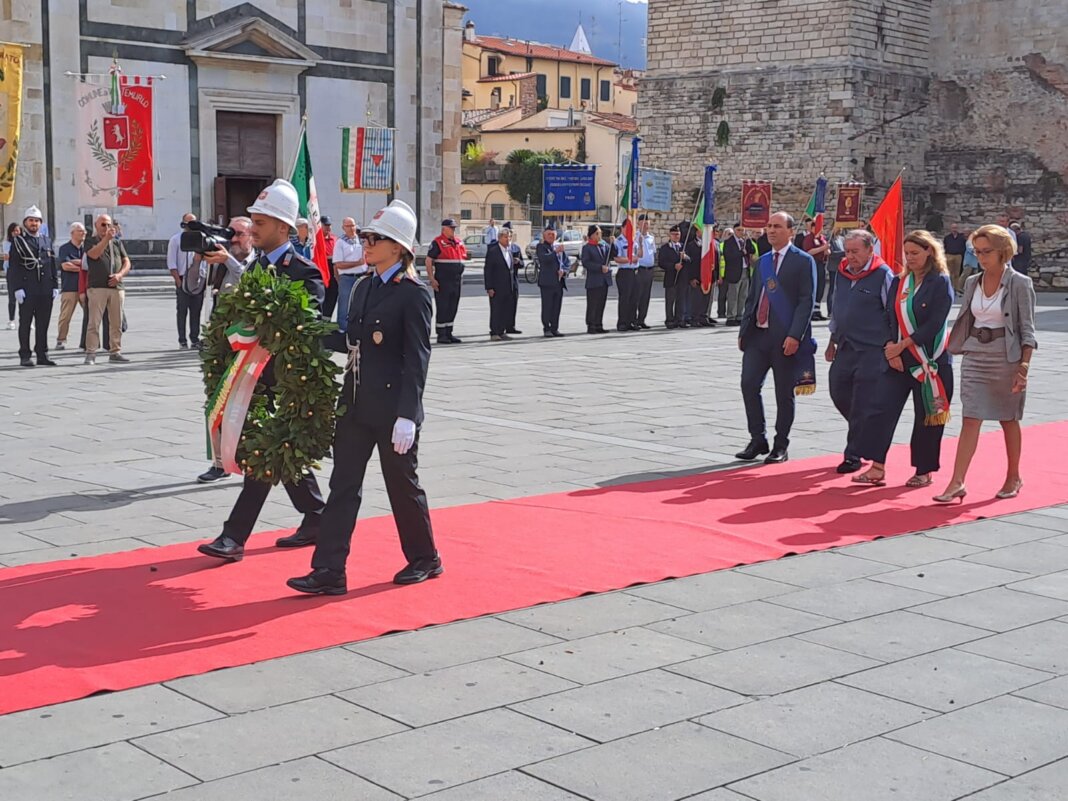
(753, 451)
(644, 327)
(778, 455)
(419, 571)
(211, 475)
(46, 362)
(601, 331)
(223, 547)
(320, 582)
(454, 340)
(27, 363)
(818, 316)
(300, 538)
(444, 341)
(512, 331)
(849, 465)
(557, 334)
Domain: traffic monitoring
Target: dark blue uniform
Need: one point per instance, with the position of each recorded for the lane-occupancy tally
(594, 259)
(551, 285)
(32, 268)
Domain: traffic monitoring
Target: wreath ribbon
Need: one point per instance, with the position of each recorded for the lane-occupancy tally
(228, 406)
(935, 402)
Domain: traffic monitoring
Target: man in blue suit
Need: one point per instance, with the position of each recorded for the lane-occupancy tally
(776, 324)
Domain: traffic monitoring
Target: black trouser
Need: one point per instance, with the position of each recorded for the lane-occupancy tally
(673, 296)
(821, 284)
(447, 298)
(721, 299)
(304, 495)
(852, 380)
(500, 311)
(877, 429)
(514, 309)
(330, 301)
(354, 441)
(627, 303)
(761, 354)
(11, 302)
(189, 306)
(596, 298)
(700, 303)
(645, 292)
(105, 338)
(552, 299)
(35, 310)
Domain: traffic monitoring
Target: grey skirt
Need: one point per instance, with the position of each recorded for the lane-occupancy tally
(986, 382)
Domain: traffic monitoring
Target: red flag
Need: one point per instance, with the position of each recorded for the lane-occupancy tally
(888, 224)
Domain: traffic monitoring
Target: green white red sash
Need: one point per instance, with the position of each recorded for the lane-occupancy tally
(935, 402)
(228, 407)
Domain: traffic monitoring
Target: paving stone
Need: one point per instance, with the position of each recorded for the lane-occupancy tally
(628, 705)
(1010, 735)
(1043, 646)
(742, 624)
(281, 681)
(504, 787)
(711, 590)
(90, 722)
(455, 751)
(593, 614)
(875, 770)
(816, 569)
(453, 692)
(55, 554)
(946, 680)
(719, 794)
(950, 577)
(997, 609)
(671, 763)
(909, 550)
(117, 772)
(1053, 692)
(1045, 784)
(1054, 585)
(773, 667)
(454, 644)
(307, 778)
(893, 636)
(995, 533)
(257, 739)
(853, 599)
(1036, 558)
(815, 719)
(607, 656)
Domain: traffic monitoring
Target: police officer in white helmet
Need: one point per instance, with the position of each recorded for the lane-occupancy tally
(34, 279)
(388, 342)
(273, 216)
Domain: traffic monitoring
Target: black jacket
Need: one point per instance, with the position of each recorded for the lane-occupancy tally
(497, 275)
(734, 259)
(692, 269)
(666, 259)
(549, 266)
(296, 268)
(594, 257)
(32, 266)
(931, 306)
(797, 278)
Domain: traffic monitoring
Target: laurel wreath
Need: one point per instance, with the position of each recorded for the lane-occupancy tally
(97, 146)
(288, 431)
(137, 136)
(7, 174)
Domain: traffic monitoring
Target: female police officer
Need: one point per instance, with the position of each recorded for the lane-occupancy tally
(388, 341)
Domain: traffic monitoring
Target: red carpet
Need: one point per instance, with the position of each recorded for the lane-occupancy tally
(74, 628)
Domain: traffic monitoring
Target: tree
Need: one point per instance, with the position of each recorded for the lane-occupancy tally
(522, 173)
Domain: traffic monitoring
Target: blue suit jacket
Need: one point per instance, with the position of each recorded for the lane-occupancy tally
(593, 259)
(931, 305)
(797, 279)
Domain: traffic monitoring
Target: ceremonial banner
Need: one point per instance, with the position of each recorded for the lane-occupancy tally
(817, 204)
(656, 189)
(304, 182)
(709, 249)
(114, 141)
(10, 117)
(631, 198)
(756, 203)
(888, 224)
(568, 189)
(366, 159)
(847, 214)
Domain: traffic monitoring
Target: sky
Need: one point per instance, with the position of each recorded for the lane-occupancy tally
(554, 22)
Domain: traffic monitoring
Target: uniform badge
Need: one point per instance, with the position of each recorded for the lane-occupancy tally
(377, 337)
(772, 284)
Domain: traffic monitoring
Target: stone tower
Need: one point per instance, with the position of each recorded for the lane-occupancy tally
(969, 97)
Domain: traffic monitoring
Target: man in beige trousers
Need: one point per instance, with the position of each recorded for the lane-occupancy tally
(107, 263)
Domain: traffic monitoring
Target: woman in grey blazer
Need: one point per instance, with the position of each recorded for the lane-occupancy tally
(995, 332)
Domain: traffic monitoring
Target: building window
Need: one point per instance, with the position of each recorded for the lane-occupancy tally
(565, 87)
(495, 97)
(497, 211)
(493, 65)
(465, 214)
(606, 91)
(541, 85)
(585, 88)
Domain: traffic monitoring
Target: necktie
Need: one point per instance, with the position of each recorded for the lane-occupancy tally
(765, 302)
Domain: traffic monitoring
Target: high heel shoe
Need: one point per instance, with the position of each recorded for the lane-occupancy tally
(949, 497)
(1011, 493)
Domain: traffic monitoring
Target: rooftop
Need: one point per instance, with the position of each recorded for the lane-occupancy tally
(515, 47)
(511, 76)
(620, 122)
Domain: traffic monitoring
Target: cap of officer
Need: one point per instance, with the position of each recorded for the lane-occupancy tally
(302, 221)
(279, 200)
(397, 222)
(642, 217)
(674, 229)
(325, 221)
(592, 230)
(32, 213)
(507, 225)
(448, 222)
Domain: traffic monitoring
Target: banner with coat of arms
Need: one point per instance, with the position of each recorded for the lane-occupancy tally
(367, 159)
(11, 69)
(114, 141)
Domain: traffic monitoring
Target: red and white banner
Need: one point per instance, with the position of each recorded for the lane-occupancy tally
(756, 203)
(114, 142)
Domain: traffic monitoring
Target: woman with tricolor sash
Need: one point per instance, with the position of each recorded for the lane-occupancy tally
(917, 364)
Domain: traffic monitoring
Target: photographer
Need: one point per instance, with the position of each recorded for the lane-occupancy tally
(187, 270)
(229, 264)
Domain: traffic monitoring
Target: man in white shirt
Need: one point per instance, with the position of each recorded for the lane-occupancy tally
(490, 232)
(645, 247)
(349, 265)
(189, 304)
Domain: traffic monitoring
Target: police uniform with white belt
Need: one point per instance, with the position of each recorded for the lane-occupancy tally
(381, 405)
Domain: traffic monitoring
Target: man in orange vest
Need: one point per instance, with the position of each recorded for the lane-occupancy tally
(445, 269)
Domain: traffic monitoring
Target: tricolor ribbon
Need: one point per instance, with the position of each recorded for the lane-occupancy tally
(935, 401)
(228, 406)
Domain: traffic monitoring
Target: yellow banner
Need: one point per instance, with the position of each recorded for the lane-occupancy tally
(11, 63)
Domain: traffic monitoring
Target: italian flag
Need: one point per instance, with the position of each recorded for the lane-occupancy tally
(304, 183)
(629, 201)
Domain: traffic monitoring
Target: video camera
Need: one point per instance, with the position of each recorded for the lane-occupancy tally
(201, 237)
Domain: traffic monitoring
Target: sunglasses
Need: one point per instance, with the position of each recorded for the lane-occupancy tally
(372, 238)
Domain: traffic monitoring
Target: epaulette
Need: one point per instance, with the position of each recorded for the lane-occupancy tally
(404, 275)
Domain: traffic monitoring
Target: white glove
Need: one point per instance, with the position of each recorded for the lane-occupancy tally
(55, 294)
(403, 435)
(20, 295)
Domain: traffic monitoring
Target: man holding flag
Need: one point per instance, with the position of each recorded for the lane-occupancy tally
(707, 271)
(308, 201)
(815, 243)
(627, 256)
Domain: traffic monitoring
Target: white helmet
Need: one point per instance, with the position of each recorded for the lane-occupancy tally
(396, 221)
(279, 200)
(32, 213)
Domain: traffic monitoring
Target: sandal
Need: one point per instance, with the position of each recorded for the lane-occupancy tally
(869, 479)
(920, 481)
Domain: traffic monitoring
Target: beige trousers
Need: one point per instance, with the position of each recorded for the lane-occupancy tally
(68, 302)
(99, 300)
(954, 264)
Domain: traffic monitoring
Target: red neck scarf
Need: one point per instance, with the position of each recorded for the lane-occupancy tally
(876, 263)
